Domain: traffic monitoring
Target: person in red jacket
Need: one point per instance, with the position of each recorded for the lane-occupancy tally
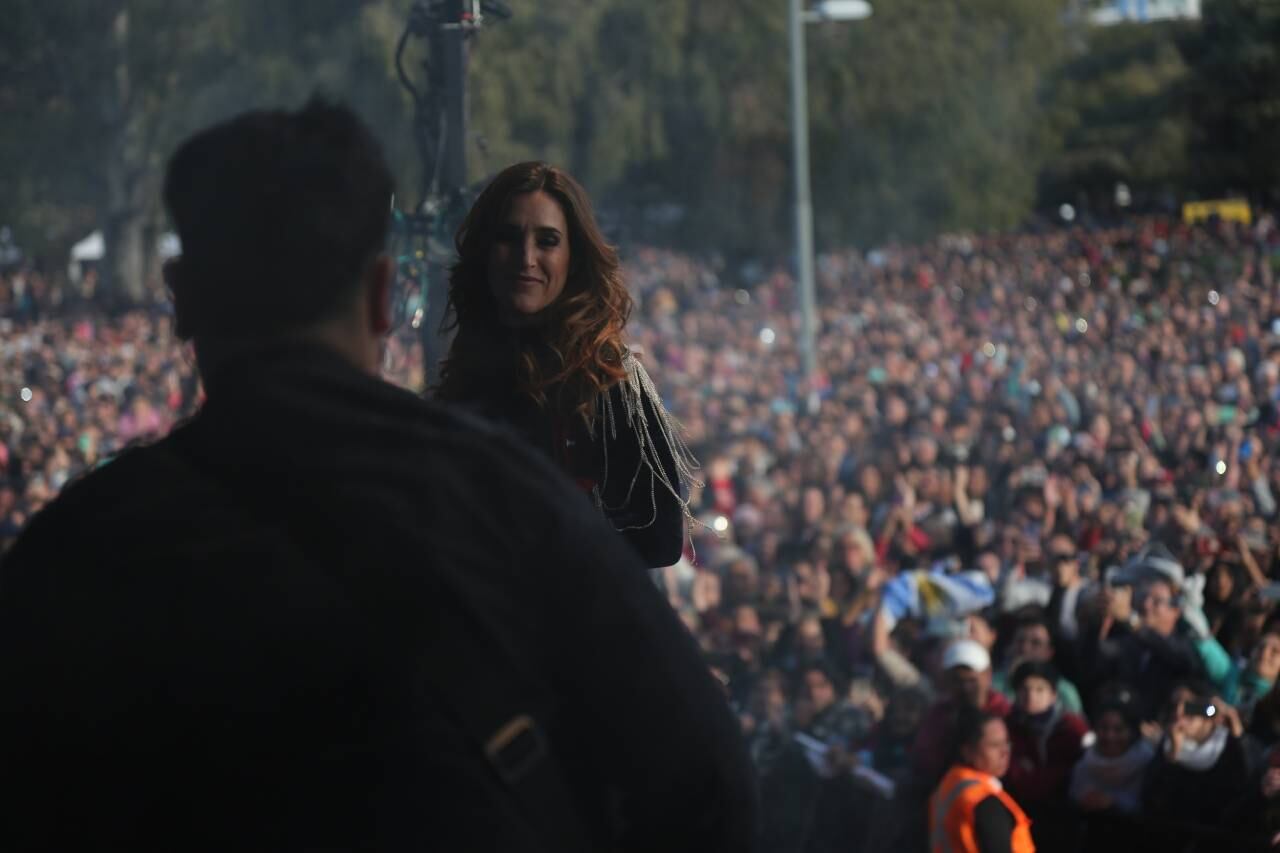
(1047, 742)
(967, 667)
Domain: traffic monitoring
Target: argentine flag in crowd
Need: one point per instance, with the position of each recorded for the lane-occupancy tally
(936, 594)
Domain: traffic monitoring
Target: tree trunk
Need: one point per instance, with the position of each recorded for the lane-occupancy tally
(123, 229)
(125, 260)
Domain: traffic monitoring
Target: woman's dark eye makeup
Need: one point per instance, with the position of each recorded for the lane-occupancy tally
(548, 238)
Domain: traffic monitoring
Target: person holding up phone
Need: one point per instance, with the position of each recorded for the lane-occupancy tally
(1199, 775)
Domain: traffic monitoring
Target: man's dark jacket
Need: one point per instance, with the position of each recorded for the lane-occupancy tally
(231, 639)
(1150, 663)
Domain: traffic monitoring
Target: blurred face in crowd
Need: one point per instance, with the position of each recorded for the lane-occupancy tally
(1036, 695)
(742, 580)
(1032, 505)
(1221, 583)
(775, 702)
(989, 565)
(1062, 561)
(1183, 710)
(822, 693)
(1032, 642)
(854, 510)
(747, 630)
(991, 753)
(871, 482)
(814, 506)
(802, 710)
(1087, 500)
(896, 411)
(529, 257)
(969, 686)
(1010, 543)
(810, 637)
(1265, 660)
(1160, 613)
(805, 577)
(854, 553)
(1114, 734)
(905, 714)
(978, 481)
(1100, 430)
(925, 451)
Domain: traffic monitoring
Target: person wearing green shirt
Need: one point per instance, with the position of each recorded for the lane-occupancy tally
(1246, 686)
(1033, 642)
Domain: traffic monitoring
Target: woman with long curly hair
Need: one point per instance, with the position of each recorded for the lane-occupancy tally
(539, 305)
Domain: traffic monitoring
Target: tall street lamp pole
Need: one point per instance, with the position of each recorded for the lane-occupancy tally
(830, 10)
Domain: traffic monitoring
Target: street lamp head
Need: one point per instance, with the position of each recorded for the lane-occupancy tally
(839, 10)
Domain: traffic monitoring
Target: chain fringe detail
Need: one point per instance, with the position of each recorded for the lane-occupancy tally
(637, 388)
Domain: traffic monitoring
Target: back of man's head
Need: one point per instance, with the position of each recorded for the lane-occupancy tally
(279, 213)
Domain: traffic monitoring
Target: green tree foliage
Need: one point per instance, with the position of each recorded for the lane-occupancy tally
(1119, 110)
(930, 116)
(1174, 109)
(96, 94)
(924, 116)
(1235, 99)
(927, 116)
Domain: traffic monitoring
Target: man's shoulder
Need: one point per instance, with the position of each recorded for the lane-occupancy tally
(467, 425)
(117, 478)
(484, 472)
(138, 483)
(451, 426)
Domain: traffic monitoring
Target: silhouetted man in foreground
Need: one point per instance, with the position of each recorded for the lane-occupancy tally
(325, 614)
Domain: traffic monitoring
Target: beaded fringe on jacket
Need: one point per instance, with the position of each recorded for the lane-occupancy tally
(636, 388)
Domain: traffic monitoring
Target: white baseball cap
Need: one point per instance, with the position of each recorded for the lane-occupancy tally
(968, 653)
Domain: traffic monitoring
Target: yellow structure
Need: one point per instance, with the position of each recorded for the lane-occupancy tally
(1230, 209)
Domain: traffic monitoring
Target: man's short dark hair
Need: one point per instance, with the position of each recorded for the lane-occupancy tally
(278, 213)
(829, 672)
(1034, 617)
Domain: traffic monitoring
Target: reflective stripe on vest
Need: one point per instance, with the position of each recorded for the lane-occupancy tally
(951, 813)
(940, 843)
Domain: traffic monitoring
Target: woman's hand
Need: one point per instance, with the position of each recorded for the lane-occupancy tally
(1119, 602)
(1052, 492)
(1229, 717)
(1187, 517)
(907, 496)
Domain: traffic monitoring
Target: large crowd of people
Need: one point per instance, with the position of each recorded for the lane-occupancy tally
(77, 385)
(1036, 474)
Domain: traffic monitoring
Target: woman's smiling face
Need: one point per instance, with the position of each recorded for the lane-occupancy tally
(529, 257)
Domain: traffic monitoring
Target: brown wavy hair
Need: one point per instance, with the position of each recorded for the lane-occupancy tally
(582, 329)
